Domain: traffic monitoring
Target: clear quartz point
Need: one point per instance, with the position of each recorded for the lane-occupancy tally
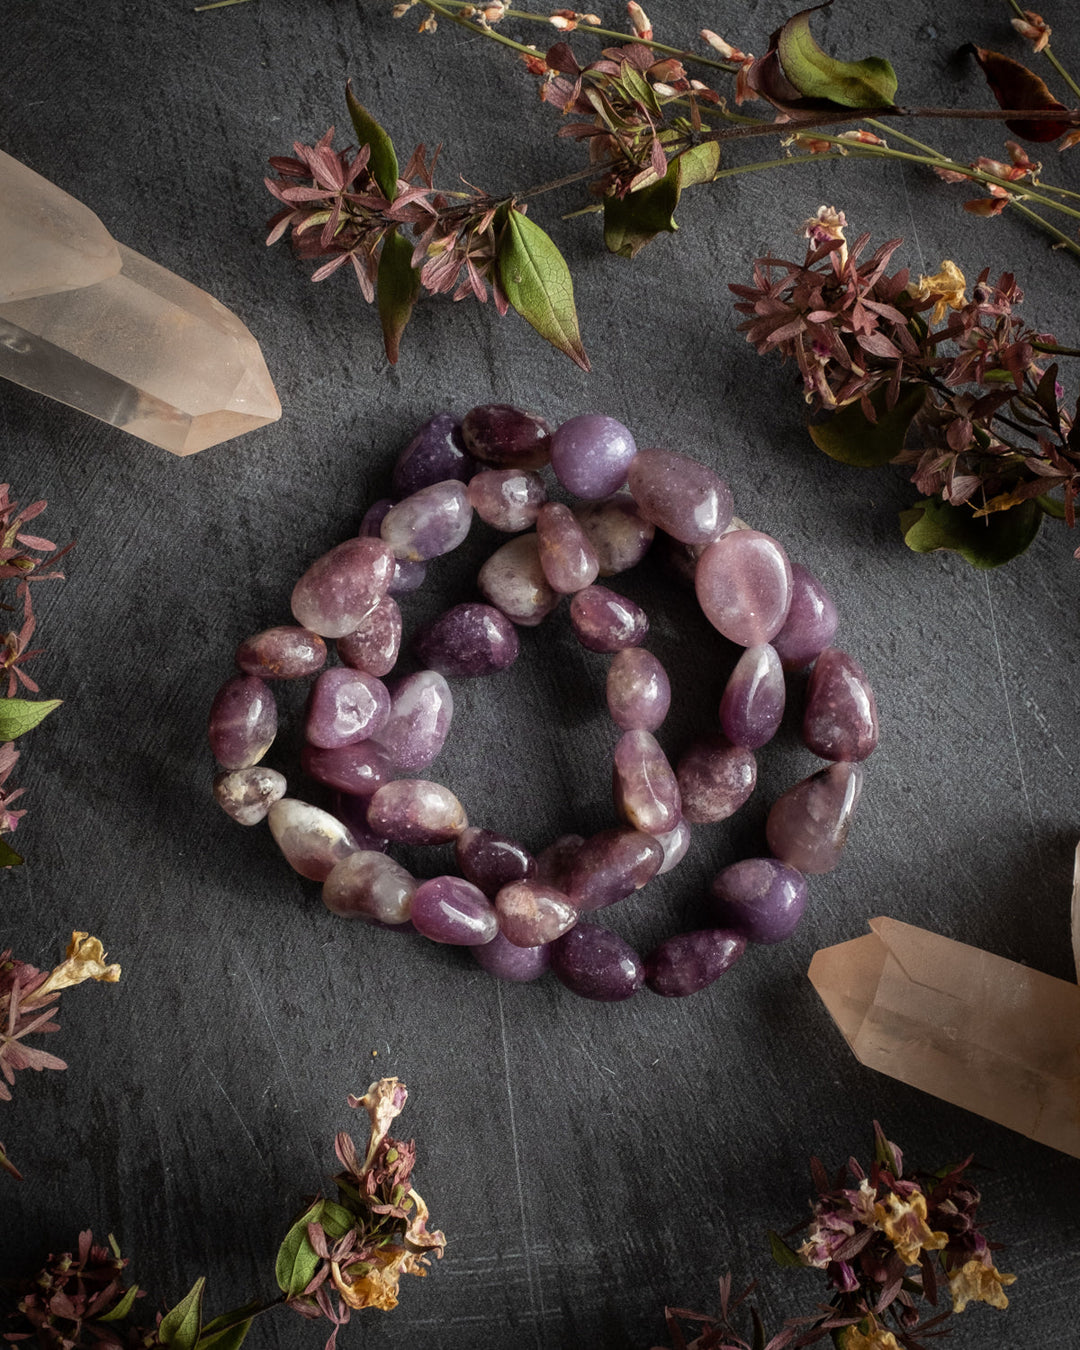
(99, 327)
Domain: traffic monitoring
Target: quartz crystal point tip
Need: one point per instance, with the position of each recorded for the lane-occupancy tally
(103, 329)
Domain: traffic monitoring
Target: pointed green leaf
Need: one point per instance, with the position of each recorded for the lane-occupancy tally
(383, 162)
(639, 88)
(8, 856)
(181, 1325)
(698, 164)
(853, 84)
(336, 1220)
(123, 1307)
(297, 1260)
(537, 283)
(227, 1337)
(782, 1253)
(633, 221)
(984, 542)
(398, 291)
(20, 715)
(848, 436)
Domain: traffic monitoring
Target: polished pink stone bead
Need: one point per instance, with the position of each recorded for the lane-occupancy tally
(507, 437)
(606, 622)
(811, 621)
(358, 770)
(675, 844)
(507, 499)
(752, 705)
(568, 559)
(591, 454)
(841, 716)
(689, 962)
(408, 576)
(638, 690)
(430, 523)
(468, 640)
(340, 589)
(281, 654)
(644, 785)
(248, 794)
(680, 495)
(452, 910)
(491, 861)
(416, 811)
(370, 885)
(242, 723)
(434, 454)
(715, 778)
(513, 580)
(313, 841)
(609, 866)
(421, 710)
(532, 914)
(553, 863)
(594, 962)
(507, 962)
(374, 645)
(743, 584)
(345, 706)
(619, 533)
(808, 826)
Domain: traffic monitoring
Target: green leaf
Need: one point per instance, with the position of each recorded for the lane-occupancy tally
(635, 220)
(698, 164)
(398, 291)
(8, 856)
(224, 1333)
(782, 1254)
(336, 1220)
(20, 715)
(123, 1307)
(815, 74)
(984, 542)
(848, 436)
(297, 1260)
(1051, 506)
(181, 1325)
(639, 88)
(383, 162)
(537, 283)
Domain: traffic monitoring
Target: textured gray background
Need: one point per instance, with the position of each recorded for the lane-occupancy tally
(588, 1163)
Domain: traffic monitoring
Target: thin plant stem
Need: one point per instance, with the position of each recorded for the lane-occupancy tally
(436, 8)
(1063, 239)
(1016, 9)
(1055, 349)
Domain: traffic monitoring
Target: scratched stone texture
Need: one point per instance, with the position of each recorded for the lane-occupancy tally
(588, 1163)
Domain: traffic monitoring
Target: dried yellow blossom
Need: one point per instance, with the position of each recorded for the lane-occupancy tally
(379, 1287)
(945, 287)
(904, 1223)
(85, 961)
(876, 1339)
(976, 1283)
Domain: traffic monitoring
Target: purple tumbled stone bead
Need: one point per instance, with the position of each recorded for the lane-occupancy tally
(513, 581)
(674, 843)
(743, 584)
(644, 786)
(340, 589)
(638, 690)
(358, 770)
(242, 723)
(619, 533)
(752, 705)
(568, 559)
(507, 499)
(532, 914)
(808, 826)
(421, 709)
(811, 621)
(761, 898)
(591, 454)
(606, 622)
(553, 863)
(596, 963)
(507, 962)
(313, 841)
(373, 647)
(345, 706)
(715, 778)
(369, 885)
(452, 910)
(351, 810)
(609, 866)
(491, 861)
(680, 495)
(408, 576)
(416, 811)
(470, 639)
(691, 961)
(841, 715)
(248, 794)
(436, 453)
(281, 654)
(428, 524)
(507, 437)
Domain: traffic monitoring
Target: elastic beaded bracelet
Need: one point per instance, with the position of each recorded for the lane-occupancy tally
(520, 915)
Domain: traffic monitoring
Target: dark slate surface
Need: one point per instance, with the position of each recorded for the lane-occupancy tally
(588, 1163)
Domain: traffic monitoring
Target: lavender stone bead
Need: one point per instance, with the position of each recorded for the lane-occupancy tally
(596, 963)
(345, 706)
(532, 914)
(841, 716)
(374, 646)
(436, 453)
(752, 705)
(638, 690)
(351, 810)
(761, 898)
(811, 621)
(609, 866)
(470, 639)
(715, 778)
(408, 576)
(605, 622)
(568, 559)
(491, 861)
(313, 841)
(675, 844)
(340, 589)
(248, 794)
(370, 885)
(691, 961)
(743, 584)
(428, 524)
(358, 770)
(416, 811)
(451, 910)
(242, 723)
(591, 454)
(507, 499)
(644, 785)
(619, 533)
(421, 709)
(507, 962)
(513, 581)
(680, 495)
(281, 654)
(507, 437)
(553, 863)
(808, 826)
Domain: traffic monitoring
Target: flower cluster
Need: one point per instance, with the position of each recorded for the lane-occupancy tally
(76, 1299)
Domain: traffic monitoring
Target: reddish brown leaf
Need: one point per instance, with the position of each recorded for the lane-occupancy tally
(1014, 86)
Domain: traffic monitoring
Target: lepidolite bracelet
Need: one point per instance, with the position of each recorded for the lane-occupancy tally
(520, 914)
